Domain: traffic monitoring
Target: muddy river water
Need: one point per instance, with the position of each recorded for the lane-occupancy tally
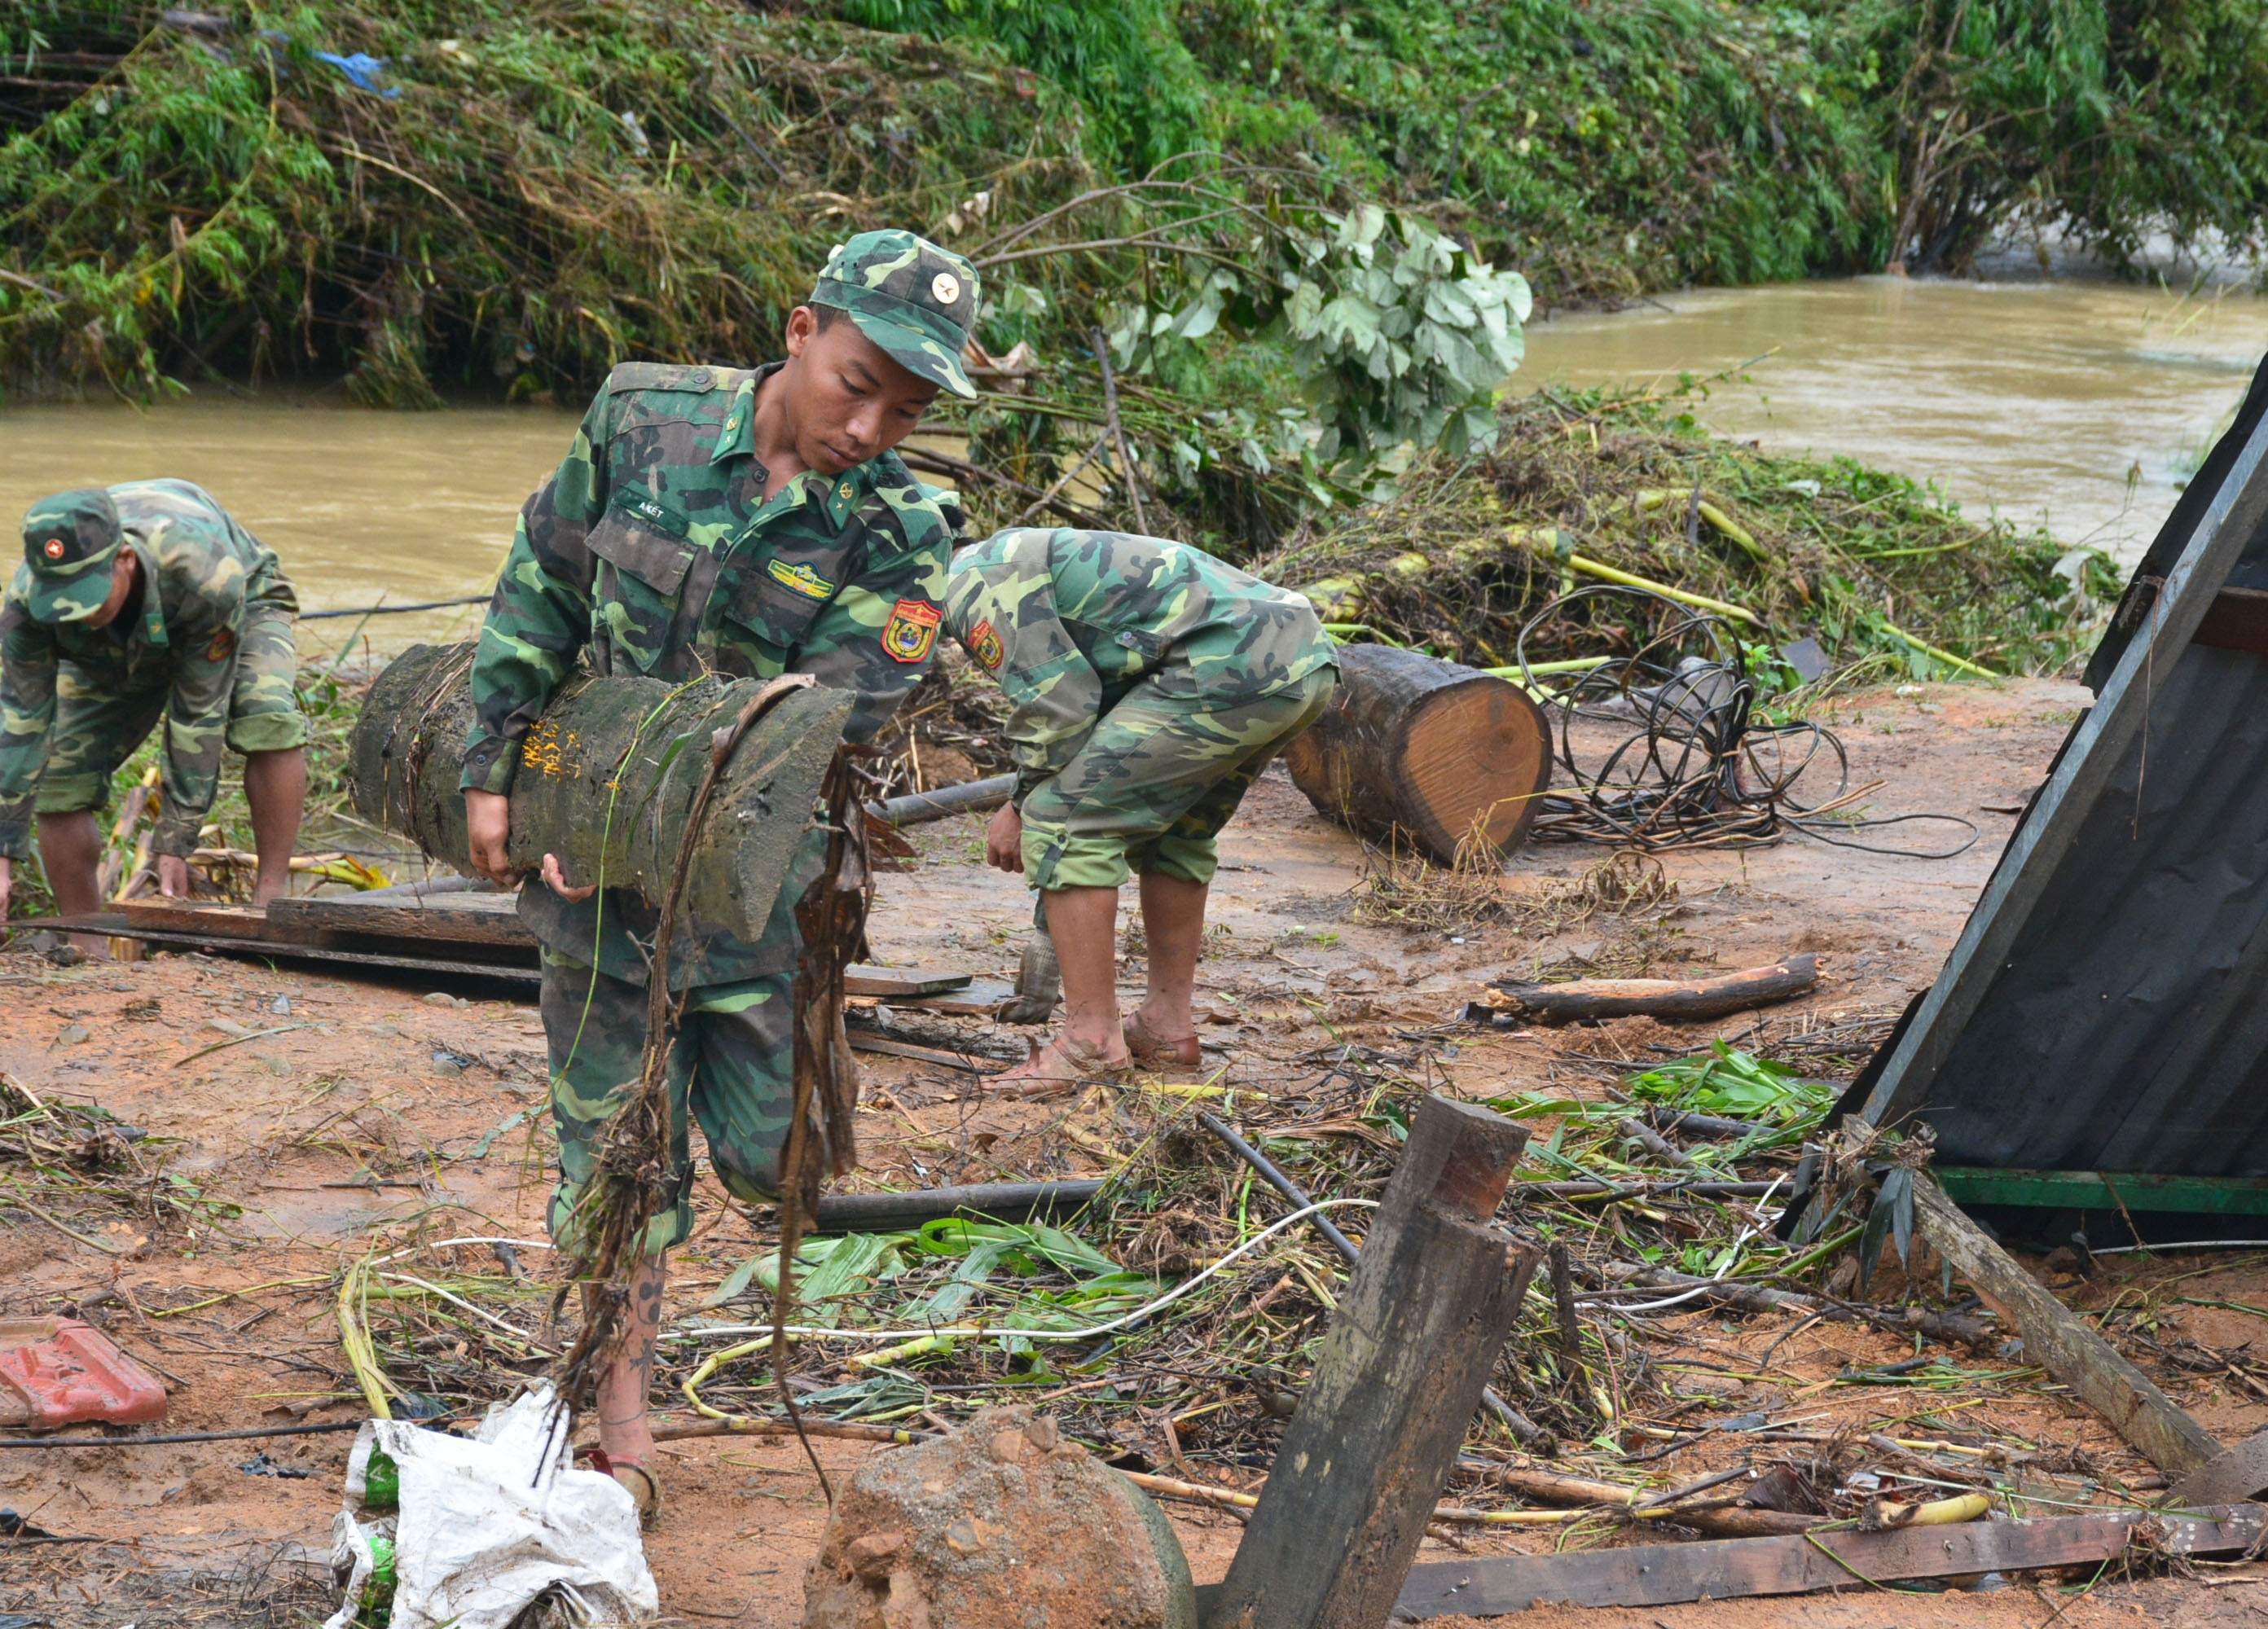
(2084, 403)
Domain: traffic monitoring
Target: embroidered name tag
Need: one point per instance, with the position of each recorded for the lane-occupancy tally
(646, 507)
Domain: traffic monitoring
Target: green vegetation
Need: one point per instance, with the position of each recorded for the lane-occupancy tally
(1305, 232)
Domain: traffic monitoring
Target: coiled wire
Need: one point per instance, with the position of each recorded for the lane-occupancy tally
(1664, 749)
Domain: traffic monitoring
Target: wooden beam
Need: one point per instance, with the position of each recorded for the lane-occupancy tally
(2095, 1190)
(1401, 1371)
(1674, 999)
(1726, 1569)
(2058, 1340)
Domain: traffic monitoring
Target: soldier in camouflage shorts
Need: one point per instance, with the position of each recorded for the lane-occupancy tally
(750, 522)
(1151, 683)
(135, 604)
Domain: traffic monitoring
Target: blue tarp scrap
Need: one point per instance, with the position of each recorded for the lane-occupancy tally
(362, 70)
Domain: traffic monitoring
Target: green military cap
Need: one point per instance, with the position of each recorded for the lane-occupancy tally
(912, 298)
(70, 541)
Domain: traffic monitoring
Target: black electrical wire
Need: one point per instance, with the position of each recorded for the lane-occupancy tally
(390, 610)
(1663, 747)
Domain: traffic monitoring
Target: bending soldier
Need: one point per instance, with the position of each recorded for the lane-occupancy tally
(750, 523)
(138, 603)
(1151, 684)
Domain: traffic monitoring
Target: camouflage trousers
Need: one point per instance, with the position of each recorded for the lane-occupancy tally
(1153, 785)
(731, 1068)
(97, 730)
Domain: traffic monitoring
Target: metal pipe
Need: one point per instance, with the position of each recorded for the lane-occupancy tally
(1004, 1201)
(968, 797)
(1281, 1183)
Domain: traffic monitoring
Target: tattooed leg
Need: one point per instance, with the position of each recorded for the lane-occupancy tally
(628, 1380)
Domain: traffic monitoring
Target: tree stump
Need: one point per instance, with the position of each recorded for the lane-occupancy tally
(1444, 754)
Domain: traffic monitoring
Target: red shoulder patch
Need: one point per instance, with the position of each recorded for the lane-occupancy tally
(222, 643)
(984, 645)
(911, 630)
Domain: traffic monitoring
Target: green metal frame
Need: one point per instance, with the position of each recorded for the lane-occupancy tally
(2092, 1189)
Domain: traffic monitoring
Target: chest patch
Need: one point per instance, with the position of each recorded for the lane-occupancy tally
(984, 645)
(911, 630)
(800, 577)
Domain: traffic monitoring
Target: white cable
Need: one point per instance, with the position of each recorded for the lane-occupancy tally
(985, 1331)
(1747, 1233)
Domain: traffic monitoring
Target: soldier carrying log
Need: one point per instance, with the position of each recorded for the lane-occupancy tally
(136, 604)
(749, 523)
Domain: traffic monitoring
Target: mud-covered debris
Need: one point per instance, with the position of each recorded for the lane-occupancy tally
(1004, 1525)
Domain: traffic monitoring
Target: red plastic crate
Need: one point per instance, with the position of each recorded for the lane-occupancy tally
(56, 1371)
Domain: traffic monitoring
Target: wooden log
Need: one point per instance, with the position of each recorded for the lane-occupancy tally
(1400, 1373)
(1727, 1570)
(607, 778)
(1443, 754)
(1679, 999)
(2144, 1417)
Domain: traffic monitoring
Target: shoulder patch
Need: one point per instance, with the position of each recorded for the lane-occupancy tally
(911, 630)
(660, 376)
(222, 646)
(984, 646)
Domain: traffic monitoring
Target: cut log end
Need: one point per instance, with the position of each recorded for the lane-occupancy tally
(1448, 755)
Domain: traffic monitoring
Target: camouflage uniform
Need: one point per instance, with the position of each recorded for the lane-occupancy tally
(653, 551)
(1151, 684)
(209, 651)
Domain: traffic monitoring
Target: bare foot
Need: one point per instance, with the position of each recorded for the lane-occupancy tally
(1149, 1043)
(1069, 1059)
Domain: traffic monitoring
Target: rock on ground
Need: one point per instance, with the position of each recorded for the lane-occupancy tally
(1004, 1525)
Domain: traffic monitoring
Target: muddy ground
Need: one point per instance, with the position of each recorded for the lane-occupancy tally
(370, 1115)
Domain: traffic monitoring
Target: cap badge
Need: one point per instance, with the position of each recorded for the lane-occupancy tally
(54, 549)
(945, 287)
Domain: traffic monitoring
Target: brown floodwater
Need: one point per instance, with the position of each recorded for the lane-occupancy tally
(2033, 399)
(2082, 404)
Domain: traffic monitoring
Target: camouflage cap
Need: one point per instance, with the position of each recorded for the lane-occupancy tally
(915, 300)
(70, 541)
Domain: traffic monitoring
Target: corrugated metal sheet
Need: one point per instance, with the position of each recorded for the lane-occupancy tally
(2106, 1007)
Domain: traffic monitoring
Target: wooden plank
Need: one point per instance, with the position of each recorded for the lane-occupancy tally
(1398, 1377)
(977, 999)
(896, 983)
(2144, 1417)
(190, 916)
(456, 918)
(2092, 1189)
(1724, 1569)
(270, 950)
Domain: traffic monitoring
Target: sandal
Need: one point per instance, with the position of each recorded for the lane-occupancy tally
(1148, 1046)
(1064, 1061)
(643, 1486)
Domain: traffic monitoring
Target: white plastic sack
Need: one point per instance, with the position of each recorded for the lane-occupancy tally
(488, 1523)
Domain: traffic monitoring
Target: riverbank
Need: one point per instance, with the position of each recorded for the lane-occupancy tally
(298, 1127)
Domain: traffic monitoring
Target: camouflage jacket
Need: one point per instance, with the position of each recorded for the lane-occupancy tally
(201, 571)
(1069, 621)
(653, 551)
